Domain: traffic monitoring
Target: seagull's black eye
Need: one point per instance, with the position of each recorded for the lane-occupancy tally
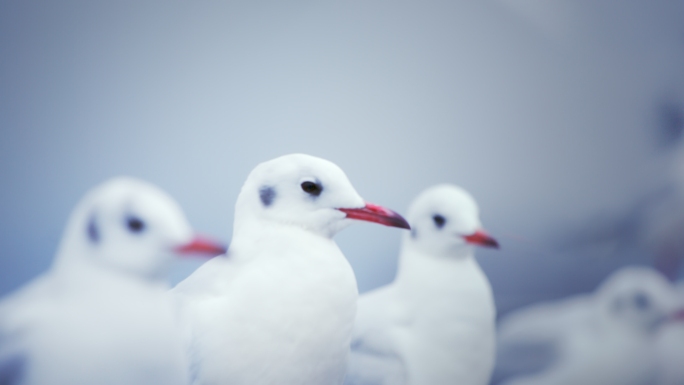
(135, 224)
(641, 301)
(439, 221)
(312, 188)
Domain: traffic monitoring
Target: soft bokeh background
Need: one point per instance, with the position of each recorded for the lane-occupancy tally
(563, 118)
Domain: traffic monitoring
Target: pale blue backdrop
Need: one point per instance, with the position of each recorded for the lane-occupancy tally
(552, 114)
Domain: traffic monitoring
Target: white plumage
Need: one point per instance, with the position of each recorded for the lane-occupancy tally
(102, 314)
(605, 338)
(670, 346)
(280, 308)
(435, 323)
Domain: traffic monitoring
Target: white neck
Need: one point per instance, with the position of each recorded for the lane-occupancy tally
(253, 237)
(417, 267)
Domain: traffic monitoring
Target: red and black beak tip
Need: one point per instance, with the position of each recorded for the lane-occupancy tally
(481, 238)
(377, 214)
(202, 245)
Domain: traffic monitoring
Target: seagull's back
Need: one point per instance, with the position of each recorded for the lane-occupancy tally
(375, 356)
(598, 357)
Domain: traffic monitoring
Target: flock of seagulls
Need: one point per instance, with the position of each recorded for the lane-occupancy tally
(281, 305)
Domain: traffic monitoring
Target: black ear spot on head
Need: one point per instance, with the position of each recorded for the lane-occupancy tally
(93, 231)
(134, 224)
(439, 220)
(312, 188)
(267, 195)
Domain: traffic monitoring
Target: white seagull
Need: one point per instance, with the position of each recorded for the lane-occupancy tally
(280, 309)
(435, 323)
(606, 338)
(102, 314)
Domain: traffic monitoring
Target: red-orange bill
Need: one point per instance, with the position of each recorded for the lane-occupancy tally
(481, 238)
(202, 245)
(377, 214)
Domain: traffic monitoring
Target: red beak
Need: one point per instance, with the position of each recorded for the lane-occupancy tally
(377, 214)
(201, 245)
(481, 238)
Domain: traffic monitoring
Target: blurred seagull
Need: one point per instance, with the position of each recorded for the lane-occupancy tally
(102, 314)
(670, 346)
(606, 338)
(435, 323)
(281, 309)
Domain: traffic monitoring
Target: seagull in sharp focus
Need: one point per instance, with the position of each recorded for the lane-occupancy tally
(435, 323)
(102, 314)
(604, 338)
(280, 309)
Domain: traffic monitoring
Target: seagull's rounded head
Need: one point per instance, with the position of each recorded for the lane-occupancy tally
(637, 297)
(445, 221)
(307, 192)
(130, 225)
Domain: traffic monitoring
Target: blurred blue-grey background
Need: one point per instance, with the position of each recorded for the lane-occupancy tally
(563, 118)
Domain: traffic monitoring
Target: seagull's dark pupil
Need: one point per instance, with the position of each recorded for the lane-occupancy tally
(439, 220)
(312, 188)
(135, 224)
